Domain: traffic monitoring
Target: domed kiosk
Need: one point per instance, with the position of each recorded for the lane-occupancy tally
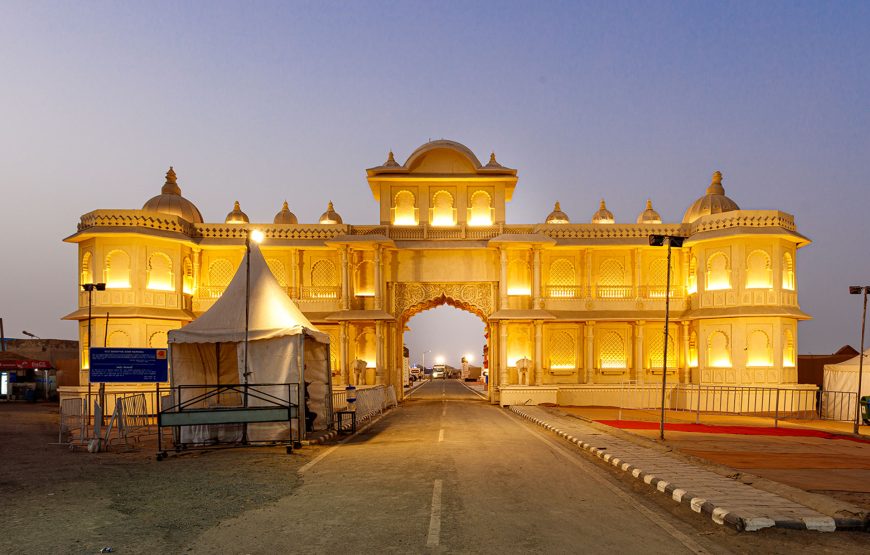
(170, 201)
(714, 202)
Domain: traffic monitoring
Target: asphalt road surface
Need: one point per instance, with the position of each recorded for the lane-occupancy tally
(448, 472)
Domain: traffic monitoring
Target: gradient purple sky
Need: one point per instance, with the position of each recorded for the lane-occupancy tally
(261, 102)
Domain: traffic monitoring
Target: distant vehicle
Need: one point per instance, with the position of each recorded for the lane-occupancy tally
(439, 371)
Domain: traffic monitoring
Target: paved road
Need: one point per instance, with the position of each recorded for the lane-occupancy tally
(447, 472)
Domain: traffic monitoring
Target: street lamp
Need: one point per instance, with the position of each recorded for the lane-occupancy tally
(424, 359)
(90, 287)
(672, 241)
(858, 290)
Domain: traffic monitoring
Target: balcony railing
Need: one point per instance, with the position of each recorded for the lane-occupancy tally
(210, 291)
(320, 293)
(613, 291)
(565, 291)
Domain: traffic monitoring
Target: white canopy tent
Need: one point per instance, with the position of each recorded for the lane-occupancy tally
(843, 376)
(253, 324)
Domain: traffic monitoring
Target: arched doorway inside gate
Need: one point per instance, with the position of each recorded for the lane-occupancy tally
(444, 335)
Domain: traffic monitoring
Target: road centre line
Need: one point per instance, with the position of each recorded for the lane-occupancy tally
(434, 537)
(441, 435)
(688, 542)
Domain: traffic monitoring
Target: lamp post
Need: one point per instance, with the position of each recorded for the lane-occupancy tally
(858, 290)
(256, 236)
(672, 241)
(424, 360)
(90, 287)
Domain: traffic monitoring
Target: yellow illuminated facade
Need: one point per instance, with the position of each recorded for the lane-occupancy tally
(583, 302)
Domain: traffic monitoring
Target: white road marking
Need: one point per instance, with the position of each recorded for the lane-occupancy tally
(479, 394)
(692, 545)
(318, 458)
(441, 435)
(444, 410)
(435, 520)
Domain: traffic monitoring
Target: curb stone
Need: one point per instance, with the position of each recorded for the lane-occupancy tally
(719, 515)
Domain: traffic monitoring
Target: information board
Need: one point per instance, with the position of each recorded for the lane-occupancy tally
(128, 365)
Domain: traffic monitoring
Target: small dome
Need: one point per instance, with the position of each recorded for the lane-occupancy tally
(557, 216)
(285, 216)
(714, 202)
(170, 201)
(237, 216)
(330, 216)
(603, 216)
(649, 216)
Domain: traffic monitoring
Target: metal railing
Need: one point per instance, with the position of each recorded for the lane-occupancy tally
(837, 405)
(613, 291)
(320, 293)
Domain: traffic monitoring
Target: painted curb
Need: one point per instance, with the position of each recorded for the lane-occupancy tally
(717, 514)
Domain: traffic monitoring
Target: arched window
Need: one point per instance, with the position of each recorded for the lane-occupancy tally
(611, 280)
(278, 270)
(718, 272)
(117, 270)
(118, 338)
(518, 345)
(323, 281)
(563, 352)
(158, 340)
(693, 350)
(787, 272)
(404, 209)
(519, 278)
(86, 347)
(758, 271)
(442, 211)
(788, 350)
(611, 351)
(187, 285)
(658, 278)
(364, 279)
(87, 272)
(561, 279)
(718, 352)
(657, 351)
(480, 211)
(692, 278)
(160, 276)
(758, 352)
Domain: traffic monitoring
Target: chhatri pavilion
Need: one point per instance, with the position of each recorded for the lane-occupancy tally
(579, 307)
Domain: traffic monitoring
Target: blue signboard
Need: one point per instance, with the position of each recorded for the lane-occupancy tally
(128, 365)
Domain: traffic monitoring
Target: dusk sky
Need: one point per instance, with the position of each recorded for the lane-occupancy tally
(261, 102)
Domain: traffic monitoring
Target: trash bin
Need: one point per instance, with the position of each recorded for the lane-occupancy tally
(350, 397)
(30, 395)
(865, 409)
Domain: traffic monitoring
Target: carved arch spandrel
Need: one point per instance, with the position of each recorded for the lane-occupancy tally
(412, 298)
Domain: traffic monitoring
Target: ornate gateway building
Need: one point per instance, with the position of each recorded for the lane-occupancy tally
(579, 306)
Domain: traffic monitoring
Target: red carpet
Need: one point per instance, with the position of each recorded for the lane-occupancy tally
(738, 430)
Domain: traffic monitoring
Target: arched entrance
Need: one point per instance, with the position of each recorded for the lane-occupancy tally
(411, 298)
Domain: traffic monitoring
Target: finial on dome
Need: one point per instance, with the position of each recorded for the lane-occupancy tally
(391, 161)
(603, 216)
(602, 206)
(557, 207)
(329, 206)
(649, 204)
(285, 206)
(716, 187)
(493, 163)
(170, 187)
(237, 206)
(717, 177)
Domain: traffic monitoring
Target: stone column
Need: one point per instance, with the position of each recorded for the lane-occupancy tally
(638, 351)
(539, 352)
(589, 332)
(502, 354)
(197, 271)
(637, 272)
(502, 280)
(294, 274)
(342, 353)
(536, 278)
(379, 352)
(345, 284)
(687, 369)
(587, 263)
(378, 290)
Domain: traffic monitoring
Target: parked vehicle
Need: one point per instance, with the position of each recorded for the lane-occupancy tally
(439, 371)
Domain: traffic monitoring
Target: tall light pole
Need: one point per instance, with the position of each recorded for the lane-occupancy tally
(90, 287)
(424, 360)
(858, 290)
(672, 241)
